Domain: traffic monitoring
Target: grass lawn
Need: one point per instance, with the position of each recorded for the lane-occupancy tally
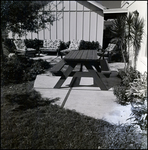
(30, 122)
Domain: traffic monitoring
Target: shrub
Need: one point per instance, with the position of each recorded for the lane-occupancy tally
(36, 43)
(128, 76)
(10, 45)
(63, 45)
(85, 45)
(67, 44)
(120, 91)
(137, 95)
(12, 70)
(19, 69)
(139, 113)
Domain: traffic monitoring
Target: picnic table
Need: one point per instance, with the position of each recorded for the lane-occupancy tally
(87, 58)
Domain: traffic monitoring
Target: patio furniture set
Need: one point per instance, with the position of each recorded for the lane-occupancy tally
(95, 62)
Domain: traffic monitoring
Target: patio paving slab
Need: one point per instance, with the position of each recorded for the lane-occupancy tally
(98, 104)
(85, 99)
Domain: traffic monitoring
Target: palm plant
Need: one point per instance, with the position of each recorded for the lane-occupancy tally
(128, 28)
(118, 32)
(137, 33)
(128, 31)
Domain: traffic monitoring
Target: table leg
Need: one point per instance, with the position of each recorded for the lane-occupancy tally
(97, 67)
(76, 80)
(96, 77)
(65, 75)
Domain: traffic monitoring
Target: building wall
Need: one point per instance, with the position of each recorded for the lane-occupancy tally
(141, 7)
(79, 21)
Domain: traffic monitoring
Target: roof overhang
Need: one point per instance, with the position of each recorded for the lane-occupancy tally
(97, 4)
(94, 6)
(114, 13)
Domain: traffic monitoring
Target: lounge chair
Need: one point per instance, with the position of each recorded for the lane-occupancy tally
(50, 46)
(21, 48)
(106, 53)
(74, 45)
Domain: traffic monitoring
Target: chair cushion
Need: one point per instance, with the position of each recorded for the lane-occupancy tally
(31, 49)
(56, 44)
(20, 44)
(48, 43)
(110, 47)
(74, 45)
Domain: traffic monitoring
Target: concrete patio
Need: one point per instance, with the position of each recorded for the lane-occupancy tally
(85, 98)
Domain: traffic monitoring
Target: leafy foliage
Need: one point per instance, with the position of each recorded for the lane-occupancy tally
(126, 78)
(10, 45)
(121, 97)
(128, 31)
(19, 69)
(118, 32)
(137, 34)
(86, 45)
(139, 113)
(122, 137)
(20, 16)
(137, 95)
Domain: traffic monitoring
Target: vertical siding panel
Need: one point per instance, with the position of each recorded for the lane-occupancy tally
(63, 21)
(96, 25)
(83, 24)
(69, 20)
(76, 21)
(50, 31)
(56, 22)
(44, 29)
(89, 23)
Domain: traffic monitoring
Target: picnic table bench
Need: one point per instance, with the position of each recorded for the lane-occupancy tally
(87, 58)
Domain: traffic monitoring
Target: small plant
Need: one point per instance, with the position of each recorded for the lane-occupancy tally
(120, 91)
(139, 113)
(137, 95)
(126, 78)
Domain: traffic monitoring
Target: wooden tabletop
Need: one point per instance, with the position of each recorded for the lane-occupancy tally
(82, 55)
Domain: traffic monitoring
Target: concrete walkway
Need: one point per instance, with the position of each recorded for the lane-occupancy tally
(86, 99)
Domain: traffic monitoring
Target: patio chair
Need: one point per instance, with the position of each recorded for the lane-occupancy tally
(107, 52)
(21, 48)
(74, 45)
(50, 46)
